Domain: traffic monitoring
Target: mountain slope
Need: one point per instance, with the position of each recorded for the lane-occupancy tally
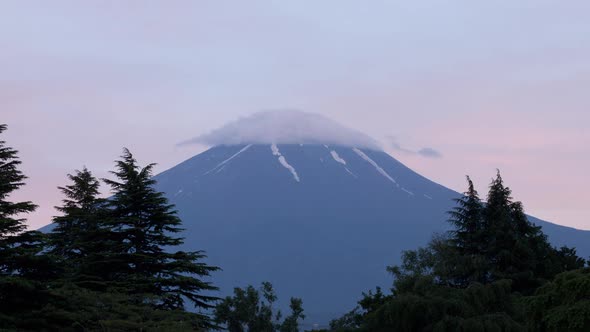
(319, 222)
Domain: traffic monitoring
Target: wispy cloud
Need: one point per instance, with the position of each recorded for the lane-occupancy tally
(426, 152)
(429, 153)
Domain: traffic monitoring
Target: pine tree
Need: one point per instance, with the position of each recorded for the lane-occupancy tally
(11, 225)
(80, 208)
(516, 248)
(500, 236)
(466, 239)
(79, 240)
(22, 269)
(466, 218)
(474, 278)
(144, 226)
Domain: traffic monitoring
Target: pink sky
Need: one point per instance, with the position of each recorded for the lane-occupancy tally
(501, 84)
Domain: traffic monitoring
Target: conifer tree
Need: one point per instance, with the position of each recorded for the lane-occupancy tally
(11, 221)
(479, 277)
(515, 247)
(466, 218)
(22, 269)
(79, 210)
(144, 227)
(79, 240)
(500, 237)
(466, 239)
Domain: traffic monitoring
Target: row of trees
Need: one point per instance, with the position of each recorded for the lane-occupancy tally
(110, 264)
(106, 265)
(494, 271)
(251, 309)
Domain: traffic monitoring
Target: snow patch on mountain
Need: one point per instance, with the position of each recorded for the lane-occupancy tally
(350, 172)
(337, 157)
(408, 192)
(222, 164)
(377, 167)
(276, 152)
(285, 127)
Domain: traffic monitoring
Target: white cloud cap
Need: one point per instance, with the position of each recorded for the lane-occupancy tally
(285, 127)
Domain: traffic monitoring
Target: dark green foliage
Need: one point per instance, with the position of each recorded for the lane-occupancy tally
(252, 310)
(359, 316)
(428, 306)
(514, 247)
(436, 260)
(79, 242)
(467, 240)
(562, 304)
(495, 241)
(351, 321)
(22, 270)
(11, 179)
(143, 227)
(489, 242)
(466, 217)
(474, 277)
(74, 309)
(291, 322)
(568, 259)
(15, 247)
(83, 212)
(431, 307)
(420, 302)
(118, 272)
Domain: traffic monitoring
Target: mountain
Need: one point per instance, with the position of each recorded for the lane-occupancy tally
(320, 214)
(320, 222)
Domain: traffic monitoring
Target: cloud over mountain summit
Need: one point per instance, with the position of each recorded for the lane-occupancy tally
(285, 127)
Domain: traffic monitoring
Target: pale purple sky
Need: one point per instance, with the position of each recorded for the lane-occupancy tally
(488, 84)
